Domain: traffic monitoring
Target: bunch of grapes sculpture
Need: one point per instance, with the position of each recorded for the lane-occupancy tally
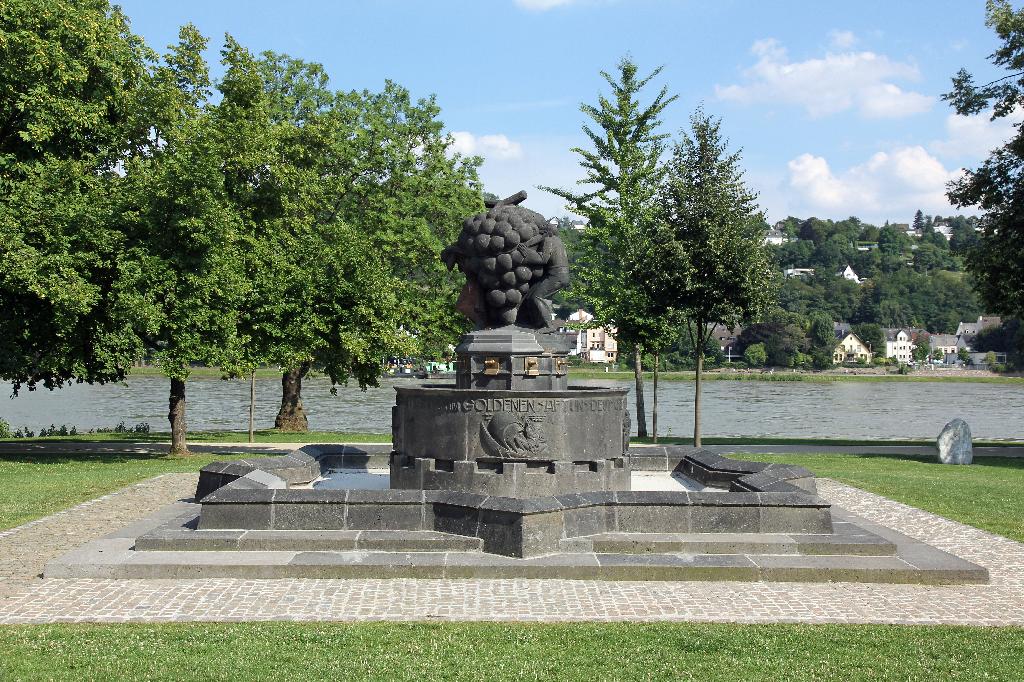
(513, 260)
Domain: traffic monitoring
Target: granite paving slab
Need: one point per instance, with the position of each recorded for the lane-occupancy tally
(32, 600)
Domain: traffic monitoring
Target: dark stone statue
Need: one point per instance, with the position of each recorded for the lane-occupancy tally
(513, 262)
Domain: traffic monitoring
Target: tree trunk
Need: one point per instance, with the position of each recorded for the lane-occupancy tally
(654, 407)
(641, 412)
(292, 416)
(176, 415)
(252, 403)
(696, 398)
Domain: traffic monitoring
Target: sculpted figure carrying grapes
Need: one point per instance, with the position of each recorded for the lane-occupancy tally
(513, 262)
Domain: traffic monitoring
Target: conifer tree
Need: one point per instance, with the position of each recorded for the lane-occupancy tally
(624, 171)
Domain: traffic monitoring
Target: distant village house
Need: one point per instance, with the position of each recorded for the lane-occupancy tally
(726, 339)
(848, 274)
(593, 345)
(899, 345)
(851, 349)
(776, 236)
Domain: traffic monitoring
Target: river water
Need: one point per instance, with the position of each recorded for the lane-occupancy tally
(731, 408)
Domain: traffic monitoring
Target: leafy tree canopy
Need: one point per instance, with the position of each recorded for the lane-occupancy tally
(615, 257)
(72, 75)
(996, 186)
(710, 245)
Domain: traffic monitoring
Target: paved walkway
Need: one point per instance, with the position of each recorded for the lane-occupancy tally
(24, 598)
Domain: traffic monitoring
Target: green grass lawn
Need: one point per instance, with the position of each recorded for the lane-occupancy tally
(492, 651)
(986, 494)
(773, 440)
(508, 651)
(34, 486)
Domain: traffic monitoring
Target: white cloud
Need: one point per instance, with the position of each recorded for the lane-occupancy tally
(488, 146)
(889, 184)
(560, 168)
(836, 82)
(542, 5)
(973, 137)
(842, 40)
(886, 100)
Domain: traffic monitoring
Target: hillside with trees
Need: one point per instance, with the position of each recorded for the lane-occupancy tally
(908, 280)
(911, 276)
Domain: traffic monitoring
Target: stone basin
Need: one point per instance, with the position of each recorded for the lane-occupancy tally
(379, 479)
(682, 491)
(261, 518)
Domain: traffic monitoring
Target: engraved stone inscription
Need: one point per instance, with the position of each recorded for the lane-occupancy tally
(490, 405)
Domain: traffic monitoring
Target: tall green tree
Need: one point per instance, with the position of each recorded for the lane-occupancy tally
(379, 166)
(321, 295)
(299, 101)
(783, 335)
(996, 187)
(755, 355)
(711, 245)
(398, 181)
(622, 173)
(183, 228)
(71, 74)
(821, 332)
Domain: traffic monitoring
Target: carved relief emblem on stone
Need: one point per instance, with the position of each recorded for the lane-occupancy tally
(509, 436)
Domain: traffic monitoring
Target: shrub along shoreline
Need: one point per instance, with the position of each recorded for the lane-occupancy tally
(787, 375)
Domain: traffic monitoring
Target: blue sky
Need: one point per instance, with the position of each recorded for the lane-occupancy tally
(835, 104)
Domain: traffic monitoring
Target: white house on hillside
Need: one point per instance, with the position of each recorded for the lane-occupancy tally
(848, 273)
(593, 345)
(948, 344)
(971, 329)
(775, 237)
(727, 339)
(899, 345)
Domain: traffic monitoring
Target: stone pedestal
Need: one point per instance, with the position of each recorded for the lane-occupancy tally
(510, 443)
(510, 358)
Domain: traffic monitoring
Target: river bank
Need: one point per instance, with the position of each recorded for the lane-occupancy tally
(978, 376)
(740, 408)
(271, 436)
(725, 374)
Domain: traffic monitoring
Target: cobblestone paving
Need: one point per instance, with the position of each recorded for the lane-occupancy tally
(38, 601)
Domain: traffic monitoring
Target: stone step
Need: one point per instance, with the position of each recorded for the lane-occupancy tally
(114, 559)
(859, 544)
(184, 540)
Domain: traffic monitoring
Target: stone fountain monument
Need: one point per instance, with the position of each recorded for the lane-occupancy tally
(510, 472)
(511, 426)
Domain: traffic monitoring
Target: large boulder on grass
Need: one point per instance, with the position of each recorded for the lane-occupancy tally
(954, 443)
